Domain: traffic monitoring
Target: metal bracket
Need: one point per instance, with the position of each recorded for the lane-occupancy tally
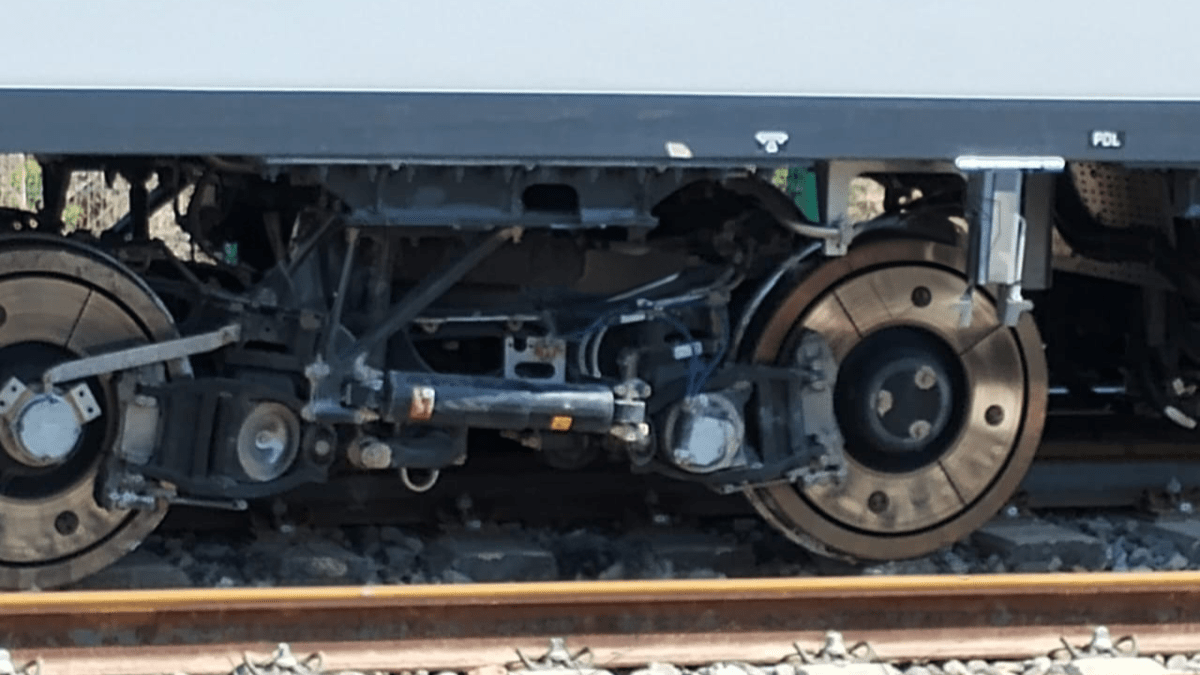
(559, 658)
(14, 396)
(283, 662)
(835, 651)
(11, 394)
(548, 351)
(813, 419)
(996, 244)
(143, 355)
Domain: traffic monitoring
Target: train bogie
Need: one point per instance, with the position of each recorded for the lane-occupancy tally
(864, 391)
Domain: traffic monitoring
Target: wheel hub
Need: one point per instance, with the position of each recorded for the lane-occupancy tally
(47, 430)
(44, 429)
(895, 399)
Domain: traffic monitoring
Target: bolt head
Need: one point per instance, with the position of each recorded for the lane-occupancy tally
(925, 378)
(994, 415)
(921, 296)
(919, 429)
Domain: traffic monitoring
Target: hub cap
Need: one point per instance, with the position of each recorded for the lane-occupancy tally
(47, 430)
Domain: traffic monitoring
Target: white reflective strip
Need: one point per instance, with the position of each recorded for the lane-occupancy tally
(978, 163)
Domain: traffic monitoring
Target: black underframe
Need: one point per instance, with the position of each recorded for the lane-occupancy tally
(582, 129)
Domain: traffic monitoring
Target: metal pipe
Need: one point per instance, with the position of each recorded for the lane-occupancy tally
(496, 403)
(763, 291)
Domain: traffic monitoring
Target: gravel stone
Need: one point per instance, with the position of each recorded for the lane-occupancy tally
(915, 566)
(399, 558)
(453, 576)
(1177, 662)
(955, 667)
(1140, 556)
(783, 669)
(1038, 666)
(1114, 666)
(584, 553)
(955, 563)
(1176, 562)
(848, 669)
(723, 669)
(613, 572)
(657, 669)
(918, 670)
(394, 535)
(321, 560)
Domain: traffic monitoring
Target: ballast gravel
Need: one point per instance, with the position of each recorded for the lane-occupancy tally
(1081, 660)
(466, 551)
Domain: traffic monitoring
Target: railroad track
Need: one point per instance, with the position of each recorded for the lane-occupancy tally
(619, 624)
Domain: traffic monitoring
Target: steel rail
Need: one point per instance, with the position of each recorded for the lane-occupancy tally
(623, 623)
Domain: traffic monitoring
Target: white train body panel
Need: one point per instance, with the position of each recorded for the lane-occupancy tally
(1025, 49)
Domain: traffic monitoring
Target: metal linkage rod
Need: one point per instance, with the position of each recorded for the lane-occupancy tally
(425, 293)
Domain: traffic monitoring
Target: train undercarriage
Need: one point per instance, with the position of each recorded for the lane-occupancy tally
(876, 389)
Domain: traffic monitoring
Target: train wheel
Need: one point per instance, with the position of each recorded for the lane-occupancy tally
(60, 301)
(940, 422)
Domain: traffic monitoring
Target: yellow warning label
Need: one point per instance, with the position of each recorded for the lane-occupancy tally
(560, 423)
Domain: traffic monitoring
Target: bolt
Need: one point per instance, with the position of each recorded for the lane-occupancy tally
(921, 297)
(883, 402)
(919, 430)
(877, 502)
(322, 448)
(1185, 507)
(66, 523)
(994, 415)
(375, 455)
(925, 378)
